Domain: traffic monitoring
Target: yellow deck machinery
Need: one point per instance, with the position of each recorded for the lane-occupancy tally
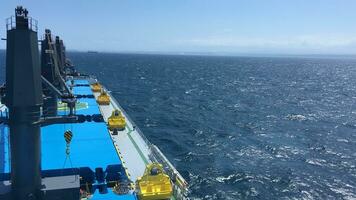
(96, 87)
(103, 98)
(154, 184)
(116, 121)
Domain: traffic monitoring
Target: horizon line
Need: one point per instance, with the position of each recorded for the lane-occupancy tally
(209, 53)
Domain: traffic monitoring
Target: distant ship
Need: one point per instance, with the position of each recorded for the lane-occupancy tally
(92, 52)
(64, 136)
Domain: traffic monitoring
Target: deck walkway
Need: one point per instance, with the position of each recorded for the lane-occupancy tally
(129, 143)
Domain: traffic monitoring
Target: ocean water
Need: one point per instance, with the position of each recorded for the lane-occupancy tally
(240, 127)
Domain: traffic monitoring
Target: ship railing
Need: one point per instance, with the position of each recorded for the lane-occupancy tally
(11, 23)
(132, 122)
(124, 112)
(180, 186)
(44, 36)
(93, 79)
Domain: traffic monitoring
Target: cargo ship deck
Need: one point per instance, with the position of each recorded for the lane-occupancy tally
(93, 145)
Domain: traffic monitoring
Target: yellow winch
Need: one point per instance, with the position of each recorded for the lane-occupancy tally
(103, 98)
(116, 121)
(154, 184)
(96, 87)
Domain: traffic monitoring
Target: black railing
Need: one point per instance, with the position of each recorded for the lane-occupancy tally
(11, 23)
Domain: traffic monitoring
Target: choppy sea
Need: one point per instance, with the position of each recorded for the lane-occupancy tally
(241, 127)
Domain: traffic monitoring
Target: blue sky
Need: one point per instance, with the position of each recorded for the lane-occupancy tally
(215, 26)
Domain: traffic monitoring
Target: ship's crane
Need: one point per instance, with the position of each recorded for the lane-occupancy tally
(53, 70)
(23, 96)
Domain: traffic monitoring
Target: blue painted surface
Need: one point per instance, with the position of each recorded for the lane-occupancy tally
(92, 108)
(112, 195)
(79, 81)
(4, 149)
(82, 90)
(91, 146)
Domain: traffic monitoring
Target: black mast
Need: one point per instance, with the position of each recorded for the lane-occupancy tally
(24, 98)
